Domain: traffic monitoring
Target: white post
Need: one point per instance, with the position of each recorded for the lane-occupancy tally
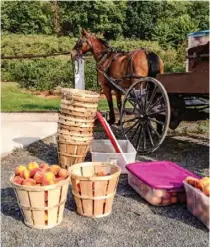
(79, 74)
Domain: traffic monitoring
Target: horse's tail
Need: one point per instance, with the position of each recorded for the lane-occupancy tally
(153, 63)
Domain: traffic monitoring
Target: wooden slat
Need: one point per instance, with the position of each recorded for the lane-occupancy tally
(37, 199)
(86, 190)
(100, 188)
(110, 189)
(190, 83)
(88, 171)
(77, 200)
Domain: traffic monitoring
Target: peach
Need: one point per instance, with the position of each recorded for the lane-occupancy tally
(165, 202)
(46, 196)
(19, 169)
(58, 179)
(44, 167)
(49, 176)
(29, 182)
(173, 199)
(25, 174)
(154, 200)
(48, 179)
(205, 180)
(54, 168)
(100, 174)
(78, 188)
(63, 173)
(18, 180)
(32, 165)
(167, 195)
(159, 193)
(34, 171)
(48, 182)
(191, 180)
(45, 216)
(38, 177)
(206, 190)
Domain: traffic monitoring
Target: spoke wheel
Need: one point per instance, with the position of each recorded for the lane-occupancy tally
(148, 120)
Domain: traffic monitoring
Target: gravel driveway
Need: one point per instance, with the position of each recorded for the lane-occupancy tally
(133, 222)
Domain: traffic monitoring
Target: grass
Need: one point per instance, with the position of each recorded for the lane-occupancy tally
(15, 99)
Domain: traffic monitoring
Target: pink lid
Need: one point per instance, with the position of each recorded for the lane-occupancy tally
(160, 174)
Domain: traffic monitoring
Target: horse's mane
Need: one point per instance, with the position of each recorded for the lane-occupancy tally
(104, 42)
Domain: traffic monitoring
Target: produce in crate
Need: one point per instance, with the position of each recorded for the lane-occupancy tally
(160, 183)
(197, 191)
(41, 193)
(35, 175)
(202, 184)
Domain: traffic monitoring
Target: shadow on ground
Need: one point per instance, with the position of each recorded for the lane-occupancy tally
(9, 205)
(177, 212)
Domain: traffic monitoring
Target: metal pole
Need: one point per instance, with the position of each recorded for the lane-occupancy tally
(79, 74)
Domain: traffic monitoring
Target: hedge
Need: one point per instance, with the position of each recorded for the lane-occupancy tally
(47, 73)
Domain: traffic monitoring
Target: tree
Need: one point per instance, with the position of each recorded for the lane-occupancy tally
(98, 16)
(141, 17)
(172, 31)
(26, 17)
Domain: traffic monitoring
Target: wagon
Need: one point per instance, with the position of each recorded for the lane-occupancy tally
(153, 105)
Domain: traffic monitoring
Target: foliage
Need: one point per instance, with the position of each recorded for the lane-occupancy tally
(158, 20)
(48, 73)
(98, 16)
(26, 17)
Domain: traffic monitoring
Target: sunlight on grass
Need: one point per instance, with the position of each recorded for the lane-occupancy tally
(13, 98)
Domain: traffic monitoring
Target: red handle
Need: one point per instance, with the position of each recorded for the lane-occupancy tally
(108, 132)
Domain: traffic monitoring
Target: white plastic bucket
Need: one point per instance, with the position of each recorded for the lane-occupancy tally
(103, 151)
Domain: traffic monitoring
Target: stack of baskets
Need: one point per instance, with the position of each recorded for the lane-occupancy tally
(75, 125)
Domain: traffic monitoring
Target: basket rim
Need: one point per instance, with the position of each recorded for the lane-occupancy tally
(93, 178)
(80, 92)
(39, 188)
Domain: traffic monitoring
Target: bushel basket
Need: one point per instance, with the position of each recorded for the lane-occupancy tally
(94, 186)
(42, 206)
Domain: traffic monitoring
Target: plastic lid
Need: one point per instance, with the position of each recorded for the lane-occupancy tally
(160, 174)
(199, 33)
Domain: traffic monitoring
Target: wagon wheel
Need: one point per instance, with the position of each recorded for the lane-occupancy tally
(145, 114)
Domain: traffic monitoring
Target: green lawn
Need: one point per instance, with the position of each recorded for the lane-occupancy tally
(13, 99)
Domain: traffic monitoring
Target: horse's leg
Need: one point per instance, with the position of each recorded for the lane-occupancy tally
(118, 95)
(108, 94)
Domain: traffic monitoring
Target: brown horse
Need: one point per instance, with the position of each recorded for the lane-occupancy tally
(117, 65)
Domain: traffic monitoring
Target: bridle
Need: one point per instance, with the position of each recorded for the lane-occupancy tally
(80, 43)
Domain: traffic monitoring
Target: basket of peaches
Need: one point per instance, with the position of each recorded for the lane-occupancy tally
(41, 192)
(198, 192)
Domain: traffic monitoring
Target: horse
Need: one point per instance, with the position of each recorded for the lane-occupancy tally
(117, 65)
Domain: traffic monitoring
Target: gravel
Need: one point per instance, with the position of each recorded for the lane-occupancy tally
(133, 222)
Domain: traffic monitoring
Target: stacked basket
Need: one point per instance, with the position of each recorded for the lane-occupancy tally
(75, 125)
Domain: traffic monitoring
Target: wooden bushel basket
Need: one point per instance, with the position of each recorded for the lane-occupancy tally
(70, 153)
(42, 206)
(80, 95)
(94, 194)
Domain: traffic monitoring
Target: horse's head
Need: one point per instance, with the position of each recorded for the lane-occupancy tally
(83, 45)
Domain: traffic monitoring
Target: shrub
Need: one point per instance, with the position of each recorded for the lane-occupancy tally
(48, 73)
